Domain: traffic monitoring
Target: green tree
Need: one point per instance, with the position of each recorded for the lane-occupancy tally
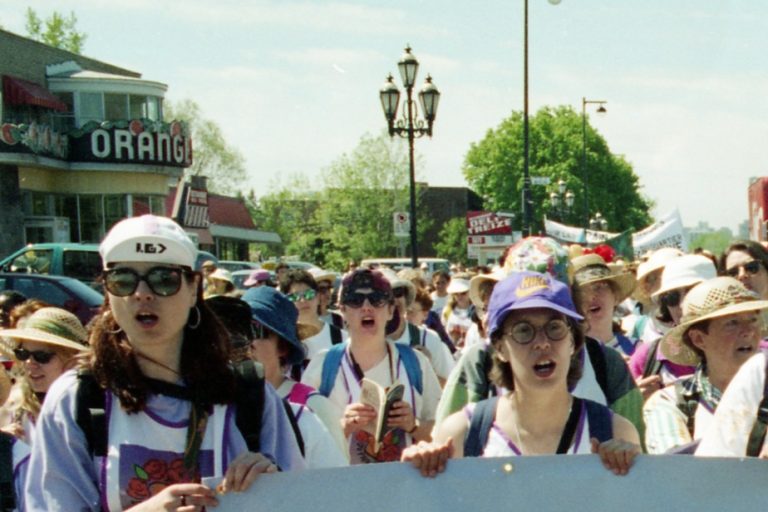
(453, 241)
(223, 164)
(494, 169)
(56, 30)
(715, 242)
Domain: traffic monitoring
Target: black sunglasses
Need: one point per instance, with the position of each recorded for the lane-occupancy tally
(356, 300)
(40, 356)
(163, 281)
(671, 299)
(751, 267)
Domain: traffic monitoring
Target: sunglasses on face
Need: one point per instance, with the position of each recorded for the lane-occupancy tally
(525, 332)
(356, 300)
(305, 295)
(163, 281)
(751, 268)
(40, 356)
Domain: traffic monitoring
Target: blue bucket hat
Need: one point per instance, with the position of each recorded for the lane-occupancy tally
(528, 290)
(274, 311)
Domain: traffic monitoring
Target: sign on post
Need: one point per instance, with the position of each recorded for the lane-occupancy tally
(402, 223)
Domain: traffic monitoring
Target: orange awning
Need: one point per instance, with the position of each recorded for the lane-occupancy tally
(17, 91)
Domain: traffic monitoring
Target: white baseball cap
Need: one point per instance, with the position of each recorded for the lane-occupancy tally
(148, 238)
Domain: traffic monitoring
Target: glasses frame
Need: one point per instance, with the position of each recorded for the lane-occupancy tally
(376, 299)
(146, 277)
(307, 295)
(752, 268)
(40, 356)
(536, 329)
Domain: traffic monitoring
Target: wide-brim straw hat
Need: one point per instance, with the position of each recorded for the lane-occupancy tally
(322, 275)
(222, 274)
(458, 285)
(714, 298)
(684, 272)
(398, 282)
(477, 281)
(656, 260)
(306, 331)
(52, 326)
(591, 268)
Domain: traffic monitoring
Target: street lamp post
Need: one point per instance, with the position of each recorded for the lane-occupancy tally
(561, 200)
(410, 126)
(598, 222)
(600, 110)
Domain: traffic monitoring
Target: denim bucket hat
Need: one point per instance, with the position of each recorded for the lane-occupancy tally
(274, 311)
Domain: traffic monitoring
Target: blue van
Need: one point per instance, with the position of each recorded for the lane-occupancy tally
(80, 261)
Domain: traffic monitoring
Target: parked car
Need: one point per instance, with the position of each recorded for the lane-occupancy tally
(233, 265)
(239, 277)
(79, 261)
(396, 264)
(64, 292)
(303, 265)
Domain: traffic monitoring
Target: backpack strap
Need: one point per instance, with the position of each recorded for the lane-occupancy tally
(89, 413)
(300, 393)
(600, 421)
(7, 491)
(336, 335)
(412, 367)
(479, 427)
(294, 425)
(687, 401)
(652, 364)
(566, 440)
(414, 335)
(331, 368)
(596, 354)
(757, 435)
(249, 399)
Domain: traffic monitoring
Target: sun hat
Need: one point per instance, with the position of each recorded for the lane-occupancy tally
(592, 268)
(257, 276)
(274, 311)
(148, 238)
(222, 274)
(209, 263)
(476, 282)
(538, 254)
(458, 285)
(52, 326)
(656, 260)
(684, 272)
(528, 290)
(322, 275)
(396, 281)
(714, 298)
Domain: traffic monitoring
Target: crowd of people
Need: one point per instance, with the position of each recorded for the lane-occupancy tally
(181, 388)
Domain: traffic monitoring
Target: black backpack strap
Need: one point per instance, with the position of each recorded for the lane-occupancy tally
(757, 435)
(90, 415)
(600, 421)
(414, 335)
(687, 401)
(336, 336)
(249, 400)
(7, 491)
(294, 425)
(597, 358)
(652, 364)
(479, 427)
(566, 440)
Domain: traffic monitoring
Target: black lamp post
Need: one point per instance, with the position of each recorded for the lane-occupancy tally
(561, 200)
(598, 222)
(585, 175)
(410, 126)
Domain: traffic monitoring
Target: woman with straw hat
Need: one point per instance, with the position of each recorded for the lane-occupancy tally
(47, 345)
(719, 331)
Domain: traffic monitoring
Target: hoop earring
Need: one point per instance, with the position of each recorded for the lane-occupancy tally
(195, 324)
(119, 329)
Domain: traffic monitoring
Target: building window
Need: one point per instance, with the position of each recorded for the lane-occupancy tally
(115, 106)
(91, 218)
(155, 108)
(114, 210)
(138, 106)
(91, 107)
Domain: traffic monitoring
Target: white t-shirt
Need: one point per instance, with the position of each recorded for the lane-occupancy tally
(321, 341)
(438, 303)
(320, 450)
(736, 414)
(437, 351)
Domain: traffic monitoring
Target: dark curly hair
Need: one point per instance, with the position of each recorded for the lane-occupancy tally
(204, 364)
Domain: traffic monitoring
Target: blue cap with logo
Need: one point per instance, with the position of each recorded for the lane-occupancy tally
(528, 290)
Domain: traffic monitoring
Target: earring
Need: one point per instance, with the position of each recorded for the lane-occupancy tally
(196, 324)
(108, 331)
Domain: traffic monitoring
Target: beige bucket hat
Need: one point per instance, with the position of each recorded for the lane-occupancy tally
(592, 268)
(714, 298)
(53, 326)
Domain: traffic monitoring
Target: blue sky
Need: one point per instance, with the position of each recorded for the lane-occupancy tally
(294, 84)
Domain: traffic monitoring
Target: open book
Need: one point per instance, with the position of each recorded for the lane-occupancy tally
(381, 399)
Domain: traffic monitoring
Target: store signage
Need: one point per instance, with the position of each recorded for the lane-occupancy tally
(488, 223)
(38, 139)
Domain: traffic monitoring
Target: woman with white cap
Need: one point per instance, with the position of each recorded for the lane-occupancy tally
(220, 283)
(720, 330)
(47, 346)
(534, 327)
(160, 375)
(457, 313)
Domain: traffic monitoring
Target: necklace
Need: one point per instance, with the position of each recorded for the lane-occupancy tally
(155, 362)
(359, 371)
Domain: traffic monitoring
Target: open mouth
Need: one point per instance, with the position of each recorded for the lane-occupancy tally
(746, 349)
(147, 319)
(368, 322)
(544, 368)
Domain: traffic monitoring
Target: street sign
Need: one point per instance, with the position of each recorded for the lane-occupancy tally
(540, 180)
(402, 223)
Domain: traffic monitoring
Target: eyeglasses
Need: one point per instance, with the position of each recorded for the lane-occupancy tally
(400, 292)
(305, 295)
(525, 332)
(751, 267)
(163, 281)
(356, 300)
(672, 299)
(40, 356)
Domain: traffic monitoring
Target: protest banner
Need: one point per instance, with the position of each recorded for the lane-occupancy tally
(572, 482)
(665, 232)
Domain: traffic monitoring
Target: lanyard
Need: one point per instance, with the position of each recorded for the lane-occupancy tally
(359, 375)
